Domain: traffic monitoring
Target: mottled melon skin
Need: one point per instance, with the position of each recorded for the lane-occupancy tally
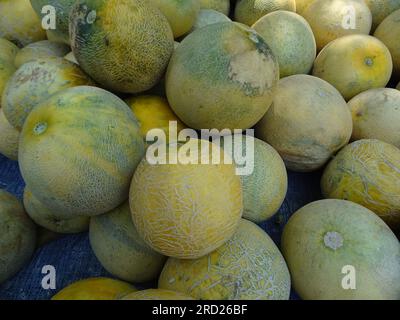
(17, 236)
(376, 115)
(326, 19)
(9, 137)
(156, 294)
(389, 33)
(19, 23)
(218, 5)
(367, 172)
(222, 76)
(95, 289)
(119, 248)
(52, 220)
(353, 64)
(247, 267)
(123, 45)
(63, 9)
(186, 211)
(89, 140)
(324, 236)
(291, 40)
(39, 50)
(207, 17)
(8, 51)
(380, 9)
(249, 11)
(308, 122)
(36, 81)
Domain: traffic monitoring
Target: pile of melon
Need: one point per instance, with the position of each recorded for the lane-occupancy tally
(315, 79)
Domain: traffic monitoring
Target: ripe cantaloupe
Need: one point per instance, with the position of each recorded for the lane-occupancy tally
(301, 5)
(249, 11)
(181, 14)
(8, 51)
(123, 45)
(291, 40)
(156, 294)
(95, 289)
(187, 210)
(207, 17)
(34, 82)
(333, 19)
(218, 5)
(354, 64)
(19, 23)
(247, 267)
(40, 50)
(9, 137)
(389, 33)
(119, 248)
(308, 122)
(17, 236)
(78, 151)
(52, 220)
(380, 9)
(367, 172)
(327, 242)
(222, 76)
(63, 9)
(376, 115)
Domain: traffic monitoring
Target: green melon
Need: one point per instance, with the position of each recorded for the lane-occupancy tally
(380, 9)
(9, 137)
(218, 5)
(207, 17)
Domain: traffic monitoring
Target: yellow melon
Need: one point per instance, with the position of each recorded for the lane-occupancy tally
(156, 294)
(333, 19)
(380, 9)
(8, 51)
(218, 5)
(354, 64)
(9, 137)
(301, 5)
(367, 172)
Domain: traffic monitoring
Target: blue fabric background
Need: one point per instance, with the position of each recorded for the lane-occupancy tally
(74, 260)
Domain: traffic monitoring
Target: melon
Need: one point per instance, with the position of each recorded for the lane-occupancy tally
(376, 115)
(308, 122)
(247, 267)
(124, 45)
(301, 5)
(62, 10)
(207, 17)
(34, 82)
(249, 11)
(70, 57)
(181, 14)
(222, 76)
(119, 248)
(389, 33)
(291, 40)
(40, 50)
(17, 236)
(95, 289)
(354, 64)
(367, 172)
(337, 249)
(187, 210)
(380, 9)
(156, 294)
(333, 19)
(218, 5)
(8, 51)
(398, 86)
(78, 151)
(9, 137)
(51, 220)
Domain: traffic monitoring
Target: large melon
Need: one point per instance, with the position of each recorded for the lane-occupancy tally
(367, 172)
(78, 151)
(380, 9)
(376, 115)
(36, 81)
(329, 243)
(354, 64)
(247, 267)
(308, 122)
(222, 76)
(8, 51)
(119, 248)
(333, 19)
(95, 289)
(186, 210)
(9, 137)
(249, 11)
(156, 294)
(218, 5)
(291, 40)
(17, 236)
(124, 45)
(389, 33)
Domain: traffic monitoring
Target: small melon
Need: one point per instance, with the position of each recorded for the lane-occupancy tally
(337, 249)
(380, 9)
(218, 5)
(247, 267)
(207, 17)
(156, 294)
(9, 137)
